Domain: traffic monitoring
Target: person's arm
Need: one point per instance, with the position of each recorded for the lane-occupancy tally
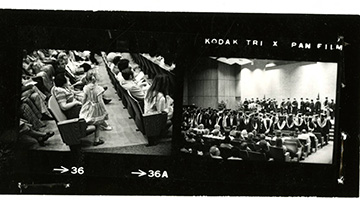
(61, 98)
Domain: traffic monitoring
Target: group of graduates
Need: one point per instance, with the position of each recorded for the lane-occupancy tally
(257, 124)
(304, 106)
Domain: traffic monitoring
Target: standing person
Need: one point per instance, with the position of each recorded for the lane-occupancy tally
(93, 109)
(295, 106)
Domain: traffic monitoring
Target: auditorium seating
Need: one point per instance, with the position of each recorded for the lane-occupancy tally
(150, 125)
(71, 130)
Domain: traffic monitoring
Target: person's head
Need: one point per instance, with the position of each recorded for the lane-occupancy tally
(161, 83)
(303, 131)
(243, 146)
(278, 133)
(217, 127)
(116, 60)
(60, 80)
(250, 135)
(62, 58)
(216, 132)
(122, 64)
(90, 77)
(86, 67)
(128, 74)
(201, 126)
(214, 151)
(244, 133)
(262, 136)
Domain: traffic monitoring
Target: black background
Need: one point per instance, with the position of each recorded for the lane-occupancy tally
(179, 34)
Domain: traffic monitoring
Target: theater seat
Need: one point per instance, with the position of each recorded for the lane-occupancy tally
(257, 156)
(278, 154)
(71, 130)
(151, 125)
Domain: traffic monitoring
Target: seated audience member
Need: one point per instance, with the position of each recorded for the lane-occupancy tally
(68, 99)
(31, 114)
(216, 131)
(225, 148)
(237, 137)
(200, 129)
(114, 62)
(157, 98)
(264, 145)
(244, 146)
(250, 141)
(233, 131)
(305, 136)
(27, 129)
(294, 138)
(226, 143)
(38, 99)
(214, 152)
(244, 134)
(279, 144)
(121, 66)
(136, 90)
(277, 135)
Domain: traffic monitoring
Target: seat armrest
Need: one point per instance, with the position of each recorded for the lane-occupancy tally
(68, 121)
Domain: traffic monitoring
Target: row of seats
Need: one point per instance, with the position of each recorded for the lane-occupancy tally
(149, 125)
(152, 69)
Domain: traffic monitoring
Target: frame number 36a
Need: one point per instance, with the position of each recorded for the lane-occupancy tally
(157, 174)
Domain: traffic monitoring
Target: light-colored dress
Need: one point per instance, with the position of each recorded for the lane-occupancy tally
(93, 109)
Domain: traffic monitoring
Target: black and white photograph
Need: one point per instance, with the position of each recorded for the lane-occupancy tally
(99, 103)
(258, 109)
(116, 102)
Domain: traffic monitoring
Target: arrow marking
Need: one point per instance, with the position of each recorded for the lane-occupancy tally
(62, 170)
(140, 173)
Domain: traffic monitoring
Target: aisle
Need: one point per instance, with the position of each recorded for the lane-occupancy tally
(322, 156)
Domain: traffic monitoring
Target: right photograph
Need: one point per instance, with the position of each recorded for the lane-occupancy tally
(250, 109)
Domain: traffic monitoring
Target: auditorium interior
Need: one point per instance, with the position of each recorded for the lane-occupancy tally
(259, 109)
(128, 130)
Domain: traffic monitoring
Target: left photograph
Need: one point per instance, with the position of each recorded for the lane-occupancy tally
(102, 102)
